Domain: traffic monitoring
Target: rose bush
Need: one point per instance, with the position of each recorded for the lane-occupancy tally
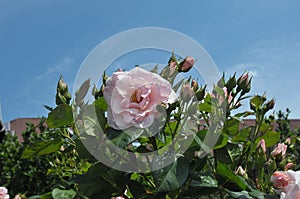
(244, 161)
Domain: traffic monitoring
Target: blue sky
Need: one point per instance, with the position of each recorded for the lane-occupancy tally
(39, 40)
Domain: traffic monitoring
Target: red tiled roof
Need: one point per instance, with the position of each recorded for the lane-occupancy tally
(18, 126)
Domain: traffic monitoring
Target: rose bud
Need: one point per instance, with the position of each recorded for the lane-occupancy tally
(186, 92)
(244, 77)
(279, 151)
(262, 145)
(241, 172)
(231, 83)
(200, 93)
(289, 165)
(194, 85)
(186, 64)
(172, 58)
(17, 197)
(288, 141)
(247, 88)
(270, 105)
(62, 86)
(172, 67)
(244, 83)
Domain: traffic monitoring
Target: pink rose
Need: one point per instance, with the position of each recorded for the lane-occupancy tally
(280, 179)
(262, 144)
(132, 98)
(287, 183)
(280, 150)
(3, 193)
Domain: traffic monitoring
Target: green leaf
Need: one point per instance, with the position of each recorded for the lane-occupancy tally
(42, 148)
(122, 139)
(229, 179)
(35, 197)
(232, 126)
(137, 189)
(46, 196)
(223, 156)
(65, 194)
(82, 91)
(244, 114)
(172, 176)
(222, 141)
(240, 195)
(242, 135)
(206, 106)
(155, 69)
(48, 108)
(201, 185)
(91, 183)
(61, 116)
(271, 138)
(204, 181)
(177, 86)
(101, 103)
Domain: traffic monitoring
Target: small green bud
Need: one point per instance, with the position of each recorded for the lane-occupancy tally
(200, 93)
(270, 105)
(231, 83)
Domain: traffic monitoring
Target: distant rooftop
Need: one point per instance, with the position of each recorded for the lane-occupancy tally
(18, 126)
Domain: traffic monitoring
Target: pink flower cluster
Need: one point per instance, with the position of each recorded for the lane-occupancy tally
(279, 151)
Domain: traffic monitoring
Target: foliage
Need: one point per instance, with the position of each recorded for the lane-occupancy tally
(38, 164)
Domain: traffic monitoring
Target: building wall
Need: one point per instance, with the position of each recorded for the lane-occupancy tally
(18, 126)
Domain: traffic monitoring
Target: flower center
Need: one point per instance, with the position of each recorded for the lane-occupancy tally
(136, 96)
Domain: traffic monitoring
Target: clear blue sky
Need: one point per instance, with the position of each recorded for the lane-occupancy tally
(39, 40)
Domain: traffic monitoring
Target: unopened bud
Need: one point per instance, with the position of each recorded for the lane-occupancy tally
(186, 92)
(172, 58)
(104, 78)
(262, 145)
(289, 166)
(244, 77)
(247, 87)
(62, 86)
(270, 105)
(195, 85)
(243, 83)
(240, 171)
(186, 64)
(231, 83)
(200, 93)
